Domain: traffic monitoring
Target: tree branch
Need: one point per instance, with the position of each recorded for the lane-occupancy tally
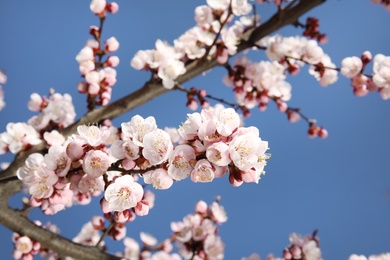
(9, 184)
(284, 17)
(20, 224)
(152, 90)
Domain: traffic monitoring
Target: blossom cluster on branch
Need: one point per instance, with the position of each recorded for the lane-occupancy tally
(104, 159)
(117, 164)
(216, 36)
(100, 76)
(26, 248)
(211, 38)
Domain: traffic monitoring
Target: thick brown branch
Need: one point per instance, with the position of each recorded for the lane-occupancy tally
(284, 17)
(20, 224)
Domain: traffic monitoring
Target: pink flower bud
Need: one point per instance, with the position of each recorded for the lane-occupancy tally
(75, 150)
(262, 106)
(293, 69)
(105, 206)
(204, 104)
(113, 61)
(35, 102)
(202, 93)
(82, 87)
(111, 44)
(264, 98)
(142, 208)
(323, 133)
(223, 56)
(287, 255)
(296, 252)
(371, 86)
(235, 182)
(366, 57)
(93, 89)
(128, 164)
(121, 216)
(98, 222)
(118, 232)
(86, 66)
(201, 207)
(322, 38)
(293, 116)
(313, 131)
(360, 91)
(282, 106)
(97, 6)
(112, 7)
(105, 102)
(192, 104)
(35, 202)
(94, 31)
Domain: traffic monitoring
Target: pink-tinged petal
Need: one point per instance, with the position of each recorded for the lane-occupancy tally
(157, 146)
(203, 171)
(123, 194)
(122, 216)
(142, 208)
(147, 239)
(96, 163)
(218, 154)
(201, 207)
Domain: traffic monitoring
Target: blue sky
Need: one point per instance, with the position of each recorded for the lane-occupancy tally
(340, 186)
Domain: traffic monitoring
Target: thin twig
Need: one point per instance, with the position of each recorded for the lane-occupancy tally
(208, 49)
(112, 224)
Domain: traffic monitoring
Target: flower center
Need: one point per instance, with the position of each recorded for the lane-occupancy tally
(124, 193)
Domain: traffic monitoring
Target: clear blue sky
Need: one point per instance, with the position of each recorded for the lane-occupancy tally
(340, 185)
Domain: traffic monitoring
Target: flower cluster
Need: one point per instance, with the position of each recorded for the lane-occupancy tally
(293, 52)
(18, 137)
(3, 80)
(195, 237)
(301, 248)
(47, 189)
(164, 60)
(56, 111)
(198, 232)
(99, 159)
(101, 7)
(133, 250)
(258, 83)
(26, 248)
(352, 67)
(381, 76)
(210, 37)
(68, 172)
(214, 143)
(100, 76)
(89, 234)
(93, 232)
(124, 197)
